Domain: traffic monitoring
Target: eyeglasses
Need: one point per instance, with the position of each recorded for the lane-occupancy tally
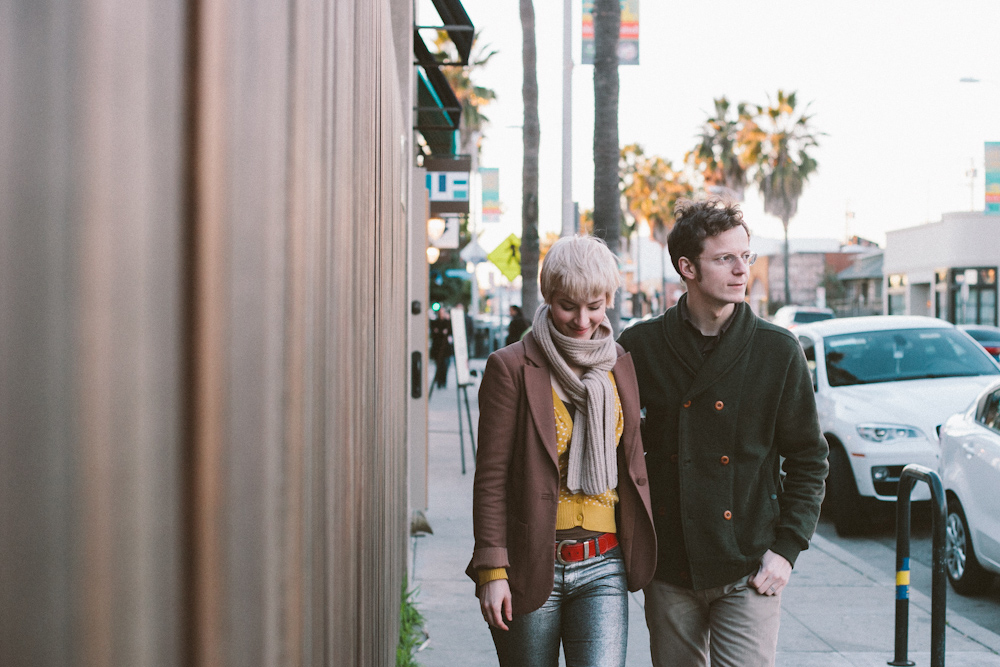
(729, 260)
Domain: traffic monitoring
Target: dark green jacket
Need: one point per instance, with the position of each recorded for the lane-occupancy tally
(714, 434)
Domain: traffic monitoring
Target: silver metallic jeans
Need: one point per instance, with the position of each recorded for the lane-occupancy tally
(587, 611)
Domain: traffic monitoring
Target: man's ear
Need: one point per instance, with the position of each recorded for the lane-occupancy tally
(687, 268)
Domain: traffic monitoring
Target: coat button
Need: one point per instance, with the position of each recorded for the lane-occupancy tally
(687, 404)
(673, 458)
(724, 460)
(718, 405)
(641, 481)
(728, 515)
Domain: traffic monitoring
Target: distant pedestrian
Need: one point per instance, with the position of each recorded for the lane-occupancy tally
(518, 325)
(561, 511)
(729, 406)
(441, 347)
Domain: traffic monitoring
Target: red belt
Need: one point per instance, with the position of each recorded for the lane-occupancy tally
(573, 551)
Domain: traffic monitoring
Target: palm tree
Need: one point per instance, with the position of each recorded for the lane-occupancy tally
(529, 170)
(778, 140)
(651, 188)
(721, 156)
(472, 97)
(607, 211)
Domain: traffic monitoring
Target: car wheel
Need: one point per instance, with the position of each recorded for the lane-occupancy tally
(851, 515)
(965, 573)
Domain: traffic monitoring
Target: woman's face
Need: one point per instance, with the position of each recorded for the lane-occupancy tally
(577, 318)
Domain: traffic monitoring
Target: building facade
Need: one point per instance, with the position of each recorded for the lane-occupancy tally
(945, 269)
(204, 209)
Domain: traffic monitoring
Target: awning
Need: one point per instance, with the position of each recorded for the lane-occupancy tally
(434, 118)
(438, 110)
(458, 25)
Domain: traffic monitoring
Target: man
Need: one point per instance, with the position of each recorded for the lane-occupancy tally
(727, 397)
(441, 347)
(518, 325)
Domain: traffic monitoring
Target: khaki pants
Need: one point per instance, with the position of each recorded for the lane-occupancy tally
(728, 626)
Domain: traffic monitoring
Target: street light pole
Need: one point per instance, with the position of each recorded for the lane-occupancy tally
(568, 228)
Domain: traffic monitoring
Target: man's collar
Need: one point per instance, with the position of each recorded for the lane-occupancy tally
(685, 313)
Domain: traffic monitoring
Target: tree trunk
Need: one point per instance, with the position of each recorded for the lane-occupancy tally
(529, 171)
(607, 205)
(788, 292)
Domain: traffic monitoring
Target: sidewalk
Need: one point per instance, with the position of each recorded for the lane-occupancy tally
(838, 611)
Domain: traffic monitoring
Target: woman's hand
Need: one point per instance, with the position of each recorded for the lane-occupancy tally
(495, 602)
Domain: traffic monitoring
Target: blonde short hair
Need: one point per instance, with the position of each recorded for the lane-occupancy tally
(582, 267)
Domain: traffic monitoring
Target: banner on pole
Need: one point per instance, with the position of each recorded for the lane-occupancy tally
(490, 178)
(628, 33)
(992, 177)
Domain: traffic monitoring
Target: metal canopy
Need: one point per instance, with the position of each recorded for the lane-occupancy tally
(458, 25)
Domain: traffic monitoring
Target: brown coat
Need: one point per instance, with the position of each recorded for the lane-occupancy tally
(516, 489)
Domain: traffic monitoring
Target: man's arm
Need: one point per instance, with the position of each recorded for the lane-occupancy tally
(800, 441)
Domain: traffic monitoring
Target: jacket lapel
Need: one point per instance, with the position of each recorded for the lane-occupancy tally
(728, 353)
(628, 394)
(538, 390)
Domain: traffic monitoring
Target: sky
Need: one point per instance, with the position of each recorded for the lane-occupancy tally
(881, 78)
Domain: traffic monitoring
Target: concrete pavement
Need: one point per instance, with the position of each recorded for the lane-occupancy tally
(838, 610)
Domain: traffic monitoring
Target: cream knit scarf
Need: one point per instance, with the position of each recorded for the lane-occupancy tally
(593, 463)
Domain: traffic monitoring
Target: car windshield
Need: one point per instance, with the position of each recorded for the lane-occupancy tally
(806, 317)
(902, 354)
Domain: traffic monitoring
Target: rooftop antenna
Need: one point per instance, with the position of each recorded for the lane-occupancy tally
(848, 216)
(971, 173)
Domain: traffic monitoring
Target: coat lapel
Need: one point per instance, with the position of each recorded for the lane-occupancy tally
(729, 352)
(538, 390)
(628, 394)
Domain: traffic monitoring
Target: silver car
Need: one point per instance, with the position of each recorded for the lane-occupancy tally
(970, 471)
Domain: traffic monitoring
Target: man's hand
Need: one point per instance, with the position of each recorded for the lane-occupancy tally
(772, 575)
(495, 602)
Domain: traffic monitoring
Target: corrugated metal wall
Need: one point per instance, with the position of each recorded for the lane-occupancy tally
(202, 331)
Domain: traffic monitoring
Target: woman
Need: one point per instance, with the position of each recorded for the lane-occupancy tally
(561, 509)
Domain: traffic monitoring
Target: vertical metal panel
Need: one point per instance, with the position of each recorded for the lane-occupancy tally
(90, 172)
(202, 352)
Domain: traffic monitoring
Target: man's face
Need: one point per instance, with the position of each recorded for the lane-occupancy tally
(717, 282)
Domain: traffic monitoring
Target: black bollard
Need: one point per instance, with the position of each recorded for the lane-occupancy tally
(939, 591)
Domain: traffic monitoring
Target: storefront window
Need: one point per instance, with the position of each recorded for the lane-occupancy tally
(897, 304)
(973, 295)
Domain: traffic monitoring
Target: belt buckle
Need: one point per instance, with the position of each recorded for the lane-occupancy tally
(559, 548)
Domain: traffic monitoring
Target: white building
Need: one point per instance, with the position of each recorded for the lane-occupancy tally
(945, 269)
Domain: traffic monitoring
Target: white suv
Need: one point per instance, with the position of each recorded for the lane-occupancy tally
(792, 316)
(884, 385)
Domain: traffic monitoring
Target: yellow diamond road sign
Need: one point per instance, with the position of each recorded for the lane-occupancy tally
(507, 257)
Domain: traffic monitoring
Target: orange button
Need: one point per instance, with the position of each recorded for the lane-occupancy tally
(687, 404)
(728, 515)
(718, 405)
(724, 460)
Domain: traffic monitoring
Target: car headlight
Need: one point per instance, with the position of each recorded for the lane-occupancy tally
(886, 432)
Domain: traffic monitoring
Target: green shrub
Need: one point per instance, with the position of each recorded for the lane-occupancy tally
(411, 628)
